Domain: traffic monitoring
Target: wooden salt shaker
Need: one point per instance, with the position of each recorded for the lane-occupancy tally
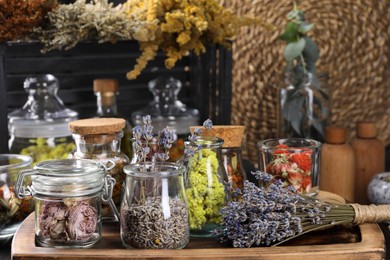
(369, 158)
(337, 164)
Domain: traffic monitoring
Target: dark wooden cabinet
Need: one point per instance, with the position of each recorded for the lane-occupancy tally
(206, 79)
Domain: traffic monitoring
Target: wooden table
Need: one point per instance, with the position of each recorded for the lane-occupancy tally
(342, 242)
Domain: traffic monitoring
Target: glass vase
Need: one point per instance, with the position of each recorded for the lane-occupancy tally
(154, 211)
(205, 189)
(294, 161)
(304, 107)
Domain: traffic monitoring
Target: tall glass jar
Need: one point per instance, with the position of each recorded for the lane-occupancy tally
(106, 91)
(12, 209)
(205, 190)
(304, 107)
(154, 211)
(295, 161)
(67, 201)
(40, 128)
(100, 139)
(167, 110)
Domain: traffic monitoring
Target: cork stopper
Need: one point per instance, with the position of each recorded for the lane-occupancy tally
(96, 126)
(335, 135)
(365, 130)
(105, 85)
(231, 134)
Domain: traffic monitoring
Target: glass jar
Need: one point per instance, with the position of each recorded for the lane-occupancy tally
(40, 128)
(205, 190)
(67, 201)
(295, 161)
(106, 91)
(232, 161)
(12, 209)
(154, 212)
(100, 139)
(305, 107)
(167, 110)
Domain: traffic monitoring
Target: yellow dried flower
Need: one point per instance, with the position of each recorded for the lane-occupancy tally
(184, 26)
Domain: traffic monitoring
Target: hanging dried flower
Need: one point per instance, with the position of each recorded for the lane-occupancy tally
(184, 26)
(19, 17)
(96, 20)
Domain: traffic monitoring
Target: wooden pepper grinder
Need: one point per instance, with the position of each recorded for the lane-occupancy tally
(369, 158)
(337, 164)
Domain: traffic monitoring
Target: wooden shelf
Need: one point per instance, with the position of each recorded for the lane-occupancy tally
(342, 242)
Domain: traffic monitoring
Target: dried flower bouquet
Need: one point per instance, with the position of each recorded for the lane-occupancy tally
(273, 214)
(174, 27)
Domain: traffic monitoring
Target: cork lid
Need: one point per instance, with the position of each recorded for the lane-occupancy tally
(335, 135)
(103, 85)
(94, 126)
(365, 130)
(231, 134)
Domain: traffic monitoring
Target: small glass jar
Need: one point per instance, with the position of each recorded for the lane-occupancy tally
(67, 201)
(100, 139)
(154, 212)
(205, 189)
(232, 160)
(12, 209)
(295, 161)
(40, 128)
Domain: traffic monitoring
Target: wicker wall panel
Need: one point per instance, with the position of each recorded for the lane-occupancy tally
(353, 37)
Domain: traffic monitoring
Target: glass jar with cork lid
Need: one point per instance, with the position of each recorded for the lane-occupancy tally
(100, 139)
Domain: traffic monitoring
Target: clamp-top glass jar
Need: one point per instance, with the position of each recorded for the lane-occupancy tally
(67, 201)
(100, 139)
(40, 128)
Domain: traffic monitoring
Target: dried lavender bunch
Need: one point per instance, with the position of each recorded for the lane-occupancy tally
(273, 214)
(144, 226)
(84, 20)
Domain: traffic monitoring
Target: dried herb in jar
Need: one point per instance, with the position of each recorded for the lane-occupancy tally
(144, 225)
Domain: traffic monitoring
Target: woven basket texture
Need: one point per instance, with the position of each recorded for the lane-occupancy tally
(353, 38)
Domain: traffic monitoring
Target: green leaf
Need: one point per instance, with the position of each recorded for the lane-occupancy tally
(310, 52)
(294, 49)
(290, 34)
(294, 14)
(305, 27)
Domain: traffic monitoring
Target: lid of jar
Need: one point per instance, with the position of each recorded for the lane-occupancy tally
(335, 135)
(94, 126)
(166, 109)
(105, 85)
(68, 178)
(44, 114)
(365, 130)
(231, 134)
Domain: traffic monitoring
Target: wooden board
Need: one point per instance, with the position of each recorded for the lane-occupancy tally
(342, 242)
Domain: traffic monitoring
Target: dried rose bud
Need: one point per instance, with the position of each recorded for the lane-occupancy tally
(52, 220)
(82, 221)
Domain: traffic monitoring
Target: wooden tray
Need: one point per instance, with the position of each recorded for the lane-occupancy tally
(341, 242)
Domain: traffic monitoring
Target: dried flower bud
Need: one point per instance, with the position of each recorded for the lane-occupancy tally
(82, 221)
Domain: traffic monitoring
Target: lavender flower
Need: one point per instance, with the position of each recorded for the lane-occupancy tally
(272, 214)
(208, 124)
(82, 221)
(149, 147)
